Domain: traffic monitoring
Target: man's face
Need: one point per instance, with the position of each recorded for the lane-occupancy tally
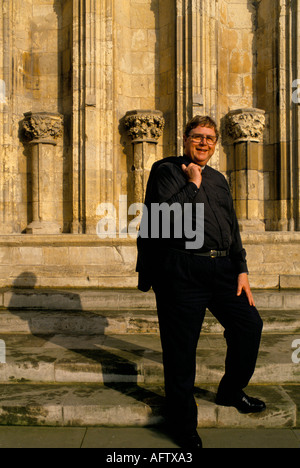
(198, 148)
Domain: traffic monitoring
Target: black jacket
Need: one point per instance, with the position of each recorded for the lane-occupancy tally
(167, 184)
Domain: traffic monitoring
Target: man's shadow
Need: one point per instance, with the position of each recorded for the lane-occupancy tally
(55, 332)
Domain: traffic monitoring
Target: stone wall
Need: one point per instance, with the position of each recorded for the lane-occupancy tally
(237, 55)
(33, 68)
(110, 69)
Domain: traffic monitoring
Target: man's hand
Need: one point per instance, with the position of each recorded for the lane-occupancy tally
(193, 173)
(243, 285)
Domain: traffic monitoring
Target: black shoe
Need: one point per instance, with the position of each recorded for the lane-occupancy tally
(188, 441)
(243, 403)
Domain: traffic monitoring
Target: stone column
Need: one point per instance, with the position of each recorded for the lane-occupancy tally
(196, 62)
(287, 178)
(93, 157)
(245, 127)
(43, 129)
(145, 127)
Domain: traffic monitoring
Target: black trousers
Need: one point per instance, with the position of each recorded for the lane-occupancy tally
(185, 286)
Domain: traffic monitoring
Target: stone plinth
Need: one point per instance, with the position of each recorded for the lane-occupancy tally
(85, 261)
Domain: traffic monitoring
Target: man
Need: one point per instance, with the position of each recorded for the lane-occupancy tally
(186, 281)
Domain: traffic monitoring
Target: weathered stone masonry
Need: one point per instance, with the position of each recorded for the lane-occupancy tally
(92, 92)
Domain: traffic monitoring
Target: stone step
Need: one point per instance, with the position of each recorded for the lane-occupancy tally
(121, 299)
(132, 358)
(115, 322)
(130, 405)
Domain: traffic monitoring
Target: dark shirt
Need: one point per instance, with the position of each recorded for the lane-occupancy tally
(168, 184)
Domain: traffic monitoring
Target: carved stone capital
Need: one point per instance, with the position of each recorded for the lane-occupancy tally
(246, 125)
(43, 127)
(144, 125)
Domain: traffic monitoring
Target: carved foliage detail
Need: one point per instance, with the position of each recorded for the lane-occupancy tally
(43, 126)
(246, 125)
(144, 126)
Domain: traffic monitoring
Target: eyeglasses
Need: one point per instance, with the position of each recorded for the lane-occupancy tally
(210, 140)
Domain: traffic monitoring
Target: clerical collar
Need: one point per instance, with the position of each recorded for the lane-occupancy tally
(185, 156)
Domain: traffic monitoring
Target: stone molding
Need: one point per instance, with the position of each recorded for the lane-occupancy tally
(43, 127)
(246, 125)
(144, 126)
